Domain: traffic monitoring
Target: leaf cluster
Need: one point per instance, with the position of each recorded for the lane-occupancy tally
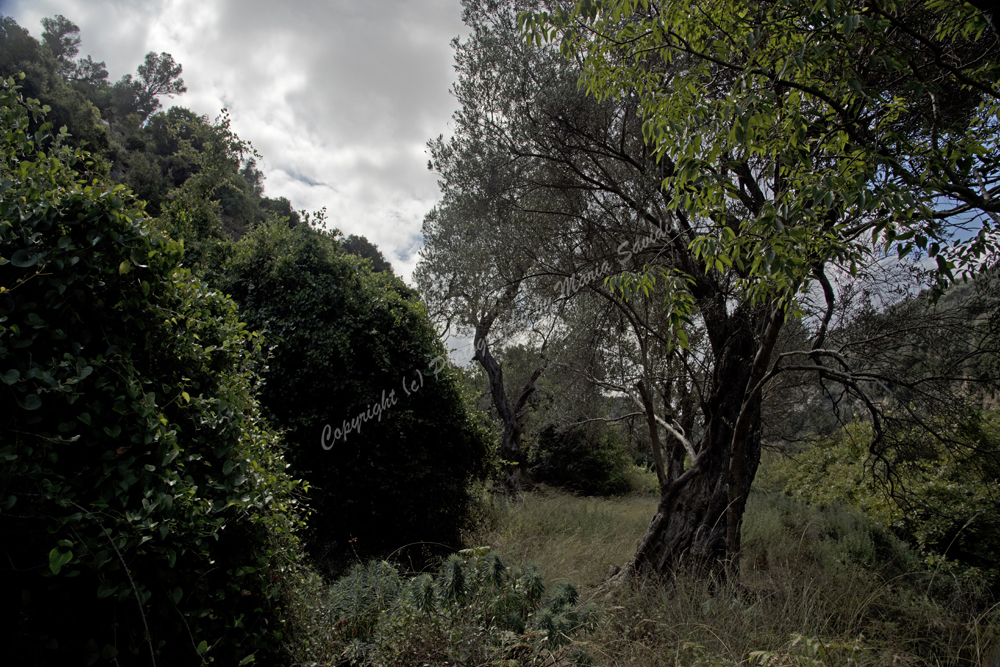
(872, 124)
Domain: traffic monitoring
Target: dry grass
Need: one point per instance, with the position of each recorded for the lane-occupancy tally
(569, 537)
(821, 587)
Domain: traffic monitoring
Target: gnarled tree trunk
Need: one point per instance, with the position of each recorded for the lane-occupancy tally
(512, 415)
(692, 520)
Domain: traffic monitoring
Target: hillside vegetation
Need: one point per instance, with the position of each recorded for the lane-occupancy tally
(733, 399)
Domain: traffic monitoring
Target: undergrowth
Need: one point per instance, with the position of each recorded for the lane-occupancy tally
(818, 587)
(567, 536)
(474, 611)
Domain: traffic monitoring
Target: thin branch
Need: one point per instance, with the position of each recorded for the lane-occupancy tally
(138, 599)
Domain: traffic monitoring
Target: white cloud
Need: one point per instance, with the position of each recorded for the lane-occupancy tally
(339, 97)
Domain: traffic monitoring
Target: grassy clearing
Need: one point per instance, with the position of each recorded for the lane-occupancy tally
(566, 536)
(823, 586)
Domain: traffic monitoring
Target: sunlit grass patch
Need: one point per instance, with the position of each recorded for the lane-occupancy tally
(567, 536)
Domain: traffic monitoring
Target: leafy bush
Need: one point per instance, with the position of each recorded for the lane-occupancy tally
(474, 611)
(589, 461)
(145, 506)
(375, 415)
(945, 502)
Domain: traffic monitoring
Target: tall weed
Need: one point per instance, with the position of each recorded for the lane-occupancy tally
(817, 587)
(567, 536)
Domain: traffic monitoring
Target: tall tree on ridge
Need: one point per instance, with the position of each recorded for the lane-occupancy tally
(157, 76)
(62, 36)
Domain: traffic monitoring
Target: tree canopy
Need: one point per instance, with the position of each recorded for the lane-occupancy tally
(157, 76)
(874, 122)
(719, 183)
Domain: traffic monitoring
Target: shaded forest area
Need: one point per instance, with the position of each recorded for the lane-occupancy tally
(730, 275)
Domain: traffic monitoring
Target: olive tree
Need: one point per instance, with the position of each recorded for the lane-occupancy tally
(797, 140)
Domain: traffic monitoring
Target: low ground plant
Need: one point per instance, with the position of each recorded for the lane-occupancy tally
(473, 611)
(818, 586)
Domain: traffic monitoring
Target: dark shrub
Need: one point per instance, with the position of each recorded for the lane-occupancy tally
(145, 505)
(592, 462)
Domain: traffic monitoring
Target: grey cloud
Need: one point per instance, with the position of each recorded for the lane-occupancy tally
(294, 175)
(376, 71)
(330, 92)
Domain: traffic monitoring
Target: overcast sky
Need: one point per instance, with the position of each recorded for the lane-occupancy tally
(339, 96)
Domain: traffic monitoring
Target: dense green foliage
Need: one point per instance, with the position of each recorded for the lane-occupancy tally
(69, 107)
(590, 461)
(874, 139)
(930, 475)
(189, 482)
(193, 173)
(145, 500)
(77, 87)
(347, 339)
(362, 247)
(196, 175)
(165, 348)
(474, 611)
(201, 186)
(943, 502)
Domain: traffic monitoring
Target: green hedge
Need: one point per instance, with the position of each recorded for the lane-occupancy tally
(144, 504)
